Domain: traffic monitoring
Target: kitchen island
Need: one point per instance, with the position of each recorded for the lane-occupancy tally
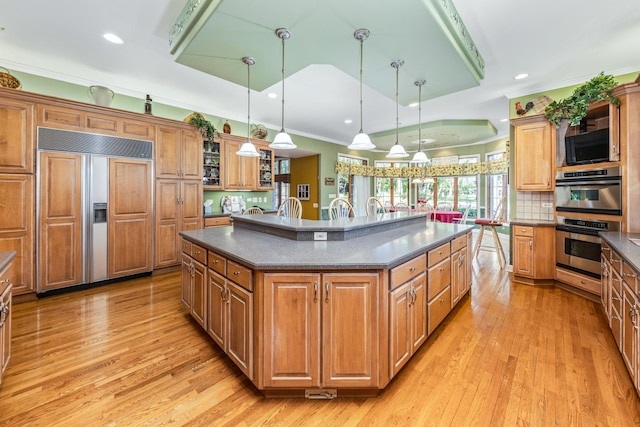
(321, 318)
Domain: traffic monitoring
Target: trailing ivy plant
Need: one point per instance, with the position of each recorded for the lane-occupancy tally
(575, 107)
(204, 126)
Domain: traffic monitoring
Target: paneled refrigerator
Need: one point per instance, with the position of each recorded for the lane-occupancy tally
(93, 208)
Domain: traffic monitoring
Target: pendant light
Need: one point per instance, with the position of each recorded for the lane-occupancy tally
(420, 157)
(247, 149)
(361, 141)
(397, 151)
(282, 140)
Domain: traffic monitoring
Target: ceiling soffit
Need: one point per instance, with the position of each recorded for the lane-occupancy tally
(212, 36)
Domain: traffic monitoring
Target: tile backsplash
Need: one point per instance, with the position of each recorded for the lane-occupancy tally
(535, 205)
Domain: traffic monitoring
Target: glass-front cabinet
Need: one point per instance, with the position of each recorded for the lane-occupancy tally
(211, 169)
(265, 169)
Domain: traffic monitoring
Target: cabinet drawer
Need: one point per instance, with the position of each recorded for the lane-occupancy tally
(438, 254)
(199, 253)
(458, 243)
(439, 278)
(523, 230)
(217, 221)
(240, 275)
(629, 275)
(186, 247)
(410, 269)
(579, 281)
(59, 117)
(439, 308)
(217, 263)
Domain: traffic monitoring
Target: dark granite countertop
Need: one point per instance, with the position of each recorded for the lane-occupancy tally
(216, 215)
(533, 222)
(385, 249)
(6, 258)
(620, 243)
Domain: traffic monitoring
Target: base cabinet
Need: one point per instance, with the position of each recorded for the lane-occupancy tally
(5, 318)
(305, 316)
(533, 253)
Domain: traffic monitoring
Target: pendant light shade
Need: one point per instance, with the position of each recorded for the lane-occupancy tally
(361, 141)
(397, 151)
(247, 149)
(420, 156)
(282, 140)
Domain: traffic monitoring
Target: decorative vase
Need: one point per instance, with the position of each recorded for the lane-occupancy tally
(226, 127)
(101, 95)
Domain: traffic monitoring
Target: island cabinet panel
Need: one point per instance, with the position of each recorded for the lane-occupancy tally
(239, 327)
(439, 286)
(292, 311)
(459, 269)
(16, 136)
(350, 357)
(216, 294)
(5, 317)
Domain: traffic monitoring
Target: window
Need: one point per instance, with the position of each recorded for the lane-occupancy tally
(496, 188)
(356, 191)
(393, 190)
(282, 179)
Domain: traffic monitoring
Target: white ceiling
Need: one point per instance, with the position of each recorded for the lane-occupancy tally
(559, 43)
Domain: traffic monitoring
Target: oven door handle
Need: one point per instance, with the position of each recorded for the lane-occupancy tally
(587, 183)
(577, 230)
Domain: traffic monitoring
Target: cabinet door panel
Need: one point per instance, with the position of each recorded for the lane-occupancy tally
(400, 333)
(167, 240)
(129, 217)
(216, 294)
(60, 240)
(292, 305)
(350, 353)
(16, 137)
(523, 256)
(186, 281)
(167, 152)
(240, 328)
(191, 204)
(17, 225)
(419, 309)
(191, 155)
(198, 292)
(535, 141)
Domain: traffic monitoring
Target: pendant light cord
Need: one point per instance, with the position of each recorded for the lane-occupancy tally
(420, 117)
(397, 119)
(361, 56)
(282, 130)
(248, 101)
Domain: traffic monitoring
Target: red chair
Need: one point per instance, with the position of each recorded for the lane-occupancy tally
(492, 223)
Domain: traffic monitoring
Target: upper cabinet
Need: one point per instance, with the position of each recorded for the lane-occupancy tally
(265, 169)
(212, 167)
(16, 136)
(178, 153)
(535, 144)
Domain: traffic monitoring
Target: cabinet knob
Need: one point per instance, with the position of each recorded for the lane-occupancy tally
(235, 273)
(412, 269)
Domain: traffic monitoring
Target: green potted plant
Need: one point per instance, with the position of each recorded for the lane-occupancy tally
(205, 127)
(575, 107)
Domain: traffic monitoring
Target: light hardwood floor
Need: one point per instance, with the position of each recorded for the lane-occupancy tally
(128, 354)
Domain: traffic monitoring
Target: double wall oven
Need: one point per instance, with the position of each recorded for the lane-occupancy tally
(578, 192)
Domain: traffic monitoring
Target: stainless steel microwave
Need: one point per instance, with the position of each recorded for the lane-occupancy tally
(588, 147)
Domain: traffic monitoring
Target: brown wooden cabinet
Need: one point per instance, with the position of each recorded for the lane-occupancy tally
(265, 173)
(213, 168)
(60, 239)
(194, 282)
(535, 138)
(533, 253)
(459, 269)
(629, 344)
(240, 173)
(17, 224)
(178, 153)
(178, 207)
(5, 317)
(16, 136)
(322, 304)
(129, 249)
(439, 285)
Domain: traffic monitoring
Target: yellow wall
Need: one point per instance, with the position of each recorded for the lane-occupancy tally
(304, 170)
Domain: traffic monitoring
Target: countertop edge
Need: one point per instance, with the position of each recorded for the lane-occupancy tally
(533, 222)
(620, 242)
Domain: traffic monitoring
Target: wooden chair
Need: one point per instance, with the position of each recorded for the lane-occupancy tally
(444, 206)
(401, 206)
(253, 211)
(340, 208)
(492, 223)
(388, 206)
(463, 218)
(374, 206)
(290, 208)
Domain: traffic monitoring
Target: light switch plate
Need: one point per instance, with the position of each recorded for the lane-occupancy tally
(332, 196)
(315, 205)
(547, 204)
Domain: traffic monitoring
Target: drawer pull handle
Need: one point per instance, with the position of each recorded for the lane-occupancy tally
(412, 269)
(441, 268)
(315, 292)
(215, 261)
(235, 273)
(326, 292)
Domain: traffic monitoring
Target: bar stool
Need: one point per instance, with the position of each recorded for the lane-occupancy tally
(492, 223)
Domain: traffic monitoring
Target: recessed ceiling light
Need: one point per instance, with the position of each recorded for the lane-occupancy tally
(272, 95)
(113, 38)
(348, 121)
(413, 104)
(520, 76)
